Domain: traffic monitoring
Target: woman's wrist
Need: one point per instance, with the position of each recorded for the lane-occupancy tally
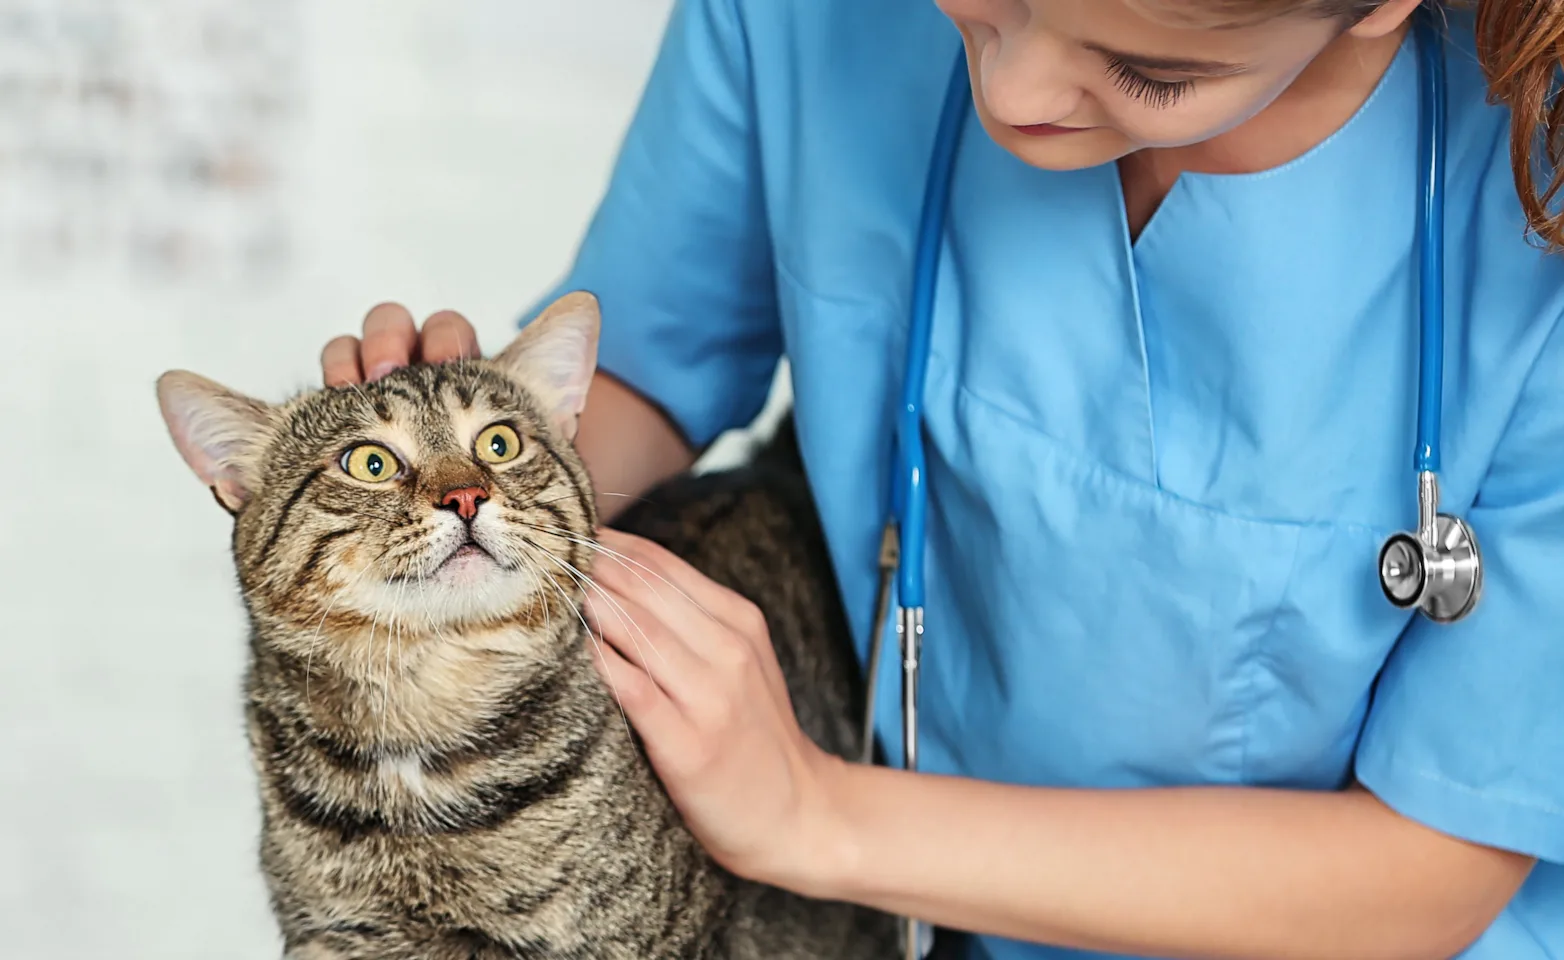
(820, 856)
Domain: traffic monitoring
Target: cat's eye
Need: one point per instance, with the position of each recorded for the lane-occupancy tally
(371, 463)
(498, 444)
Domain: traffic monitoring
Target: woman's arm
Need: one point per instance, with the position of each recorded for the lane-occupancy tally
(1197, 872)
(628, 445)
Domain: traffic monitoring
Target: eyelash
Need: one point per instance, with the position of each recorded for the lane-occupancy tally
(1157, 94)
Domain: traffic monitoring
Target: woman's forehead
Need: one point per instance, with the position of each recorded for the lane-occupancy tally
(1237, 14)
(1235, 31)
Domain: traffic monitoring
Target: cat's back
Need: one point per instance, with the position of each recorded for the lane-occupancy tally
(754, 529)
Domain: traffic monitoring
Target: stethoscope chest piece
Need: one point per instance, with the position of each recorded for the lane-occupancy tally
(1439, 569)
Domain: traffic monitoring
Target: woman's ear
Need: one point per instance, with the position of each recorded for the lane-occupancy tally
(1390, 15)
(221, 434)
(555, 356)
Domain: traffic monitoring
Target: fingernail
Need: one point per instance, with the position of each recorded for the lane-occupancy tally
(380, 369)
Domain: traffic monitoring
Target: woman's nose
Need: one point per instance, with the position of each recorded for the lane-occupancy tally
(1028, 82)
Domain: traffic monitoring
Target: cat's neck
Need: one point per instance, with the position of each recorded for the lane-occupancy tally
(462, 735)
(410, 692)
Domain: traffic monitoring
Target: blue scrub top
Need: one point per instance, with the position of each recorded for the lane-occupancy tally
(1160, 471)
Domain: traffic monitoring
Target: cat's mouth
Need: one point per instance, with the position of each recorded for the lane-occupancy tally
(466, 566)
(471, 552)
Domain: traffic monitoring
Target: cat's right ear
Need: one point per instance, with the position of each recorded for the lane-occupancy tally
(220, 433)
(554, 357)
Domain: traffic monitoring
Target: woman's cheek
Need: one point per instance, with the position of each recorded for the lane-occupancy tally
(1189, 125)
(1201, 115)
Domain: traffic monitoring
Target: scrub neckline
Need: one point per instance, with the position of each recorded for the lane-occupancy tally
(1185, 178)
(1398, 63)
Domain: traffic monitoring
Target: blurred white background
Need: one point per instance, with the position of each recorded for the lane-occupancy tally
(222, 185)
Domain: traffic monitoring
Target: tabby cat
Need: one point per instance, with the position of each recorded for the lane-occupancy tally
(443, 775)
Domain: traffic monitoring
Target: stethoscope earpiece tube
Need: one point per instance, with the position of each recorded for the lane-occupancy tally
(1431, 273)
(902, 542)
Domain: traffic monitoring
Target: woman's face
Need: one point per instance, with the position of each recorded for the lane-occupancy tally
(1065, 84)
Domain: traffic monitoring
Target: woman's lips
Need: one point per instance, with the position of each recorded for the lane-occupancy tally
(1047, 130)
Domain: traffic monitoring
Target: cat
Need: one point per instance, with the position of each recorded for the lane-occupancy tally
(443, 774)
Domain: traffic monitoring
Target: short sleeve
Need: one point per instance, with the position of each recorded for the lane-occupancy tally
(678, 251)
(1466, 731)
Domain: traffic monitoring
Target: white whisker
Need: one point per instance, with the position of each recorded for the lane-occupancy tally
(573, 496)
(393, 638)
(358, 389)
(623, 560)
(597, 644)
(619, 610)
(309, 655)
(369, 661)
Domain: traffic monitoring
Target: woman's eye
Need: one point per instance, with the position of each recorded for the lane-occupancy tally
(371, 463)
(1158, 94)
(498, 444)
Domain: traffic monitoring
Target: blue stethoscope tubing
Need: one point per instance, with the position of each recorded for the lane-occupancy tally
(1431, 273)
(1437, 569)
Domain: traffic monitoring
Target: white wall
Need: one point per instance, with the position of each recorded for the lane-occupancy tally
(444, 153)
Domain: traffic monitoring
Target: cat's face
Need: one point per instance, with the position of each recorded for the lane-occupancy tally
(435, 498)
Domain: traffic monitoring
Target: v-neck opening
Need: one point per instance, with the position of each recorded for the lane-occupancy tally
(1132, 271)
(1133, 240)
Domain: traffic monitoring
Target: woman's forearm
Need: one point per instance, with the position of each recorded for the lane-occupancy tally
(628, 445)
(1206, 873)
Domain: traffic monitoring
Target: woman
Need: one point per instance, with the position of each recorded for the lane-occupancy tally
(1169, 415)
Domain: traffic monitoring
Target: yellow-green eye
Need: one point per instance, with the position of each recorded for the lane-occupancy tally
(498, 444)
(371, 463)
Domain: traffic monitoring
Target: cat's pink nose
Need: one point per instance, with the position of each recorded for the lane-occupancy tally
(465, 500)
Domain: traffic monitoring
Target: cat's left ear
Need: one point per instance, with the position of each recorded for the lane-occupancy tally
(555, 355)
(221, 434)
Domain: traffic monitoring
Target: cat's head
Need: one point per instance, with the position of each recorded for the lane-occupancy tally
(435, 497)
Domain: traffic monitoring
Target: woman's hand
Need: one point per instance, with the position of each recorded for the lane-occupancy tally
(392, 340)
(692, 664)
(1210, 872)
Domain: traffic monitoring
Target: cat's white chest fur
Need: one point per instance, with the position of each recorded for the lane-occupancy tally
(406, 771)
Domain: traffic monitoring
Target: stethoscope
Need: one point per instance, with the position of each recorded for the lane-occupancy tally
(1436, 569)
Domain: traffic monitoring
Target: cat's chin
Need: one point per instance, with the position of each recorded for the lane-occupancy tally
(468, 565)
(470, 586)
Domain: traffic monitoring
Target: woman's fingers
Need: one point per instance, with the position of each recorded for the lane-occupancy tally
(390, 340)
(724, 742)
(647, 706)
(448, 336)
(644, 568)
(713, 619)
(667, 685)
(641, 637)
(339, 362)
